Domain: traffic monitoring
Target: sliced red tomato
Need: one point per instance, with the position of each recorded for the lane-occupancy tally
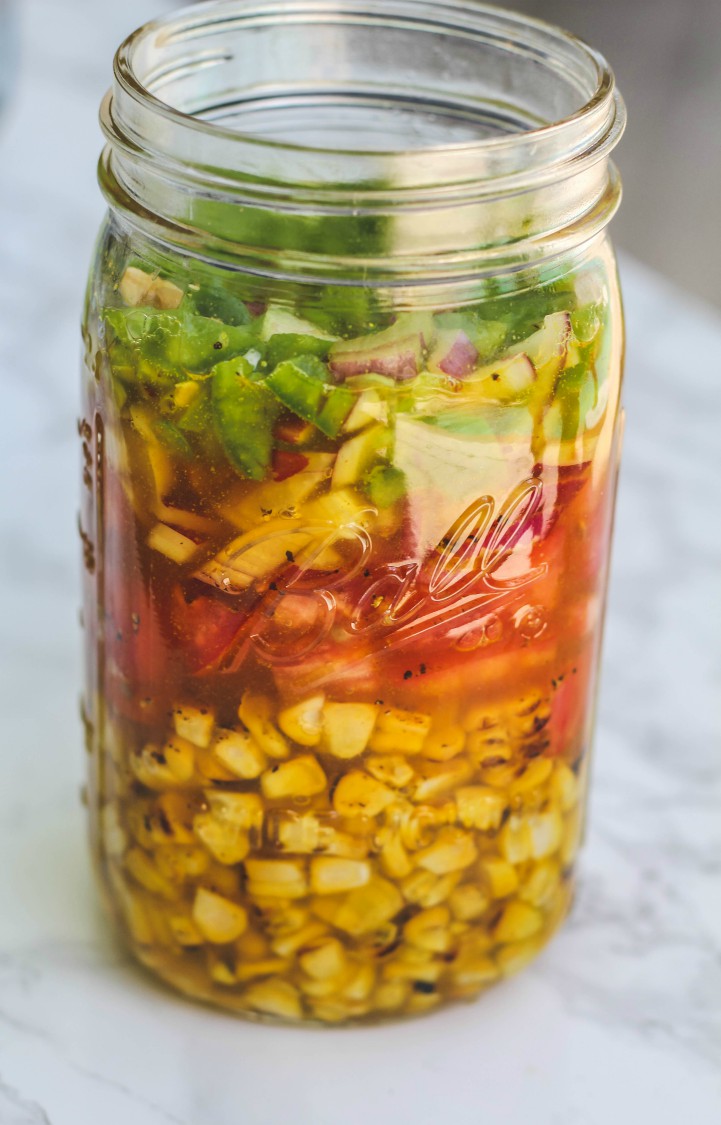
(287, 464)
(204, 626)
(136, 651)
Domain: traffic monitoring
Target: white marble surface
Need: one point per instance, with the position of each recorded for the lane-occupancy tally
(620, 1020)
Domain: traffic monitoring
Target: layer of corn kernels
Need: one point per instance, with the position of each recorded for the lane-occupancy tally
(336, 861)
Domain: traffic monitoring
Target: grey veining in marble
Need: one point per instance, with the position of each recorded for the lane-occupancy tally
(620, 1020)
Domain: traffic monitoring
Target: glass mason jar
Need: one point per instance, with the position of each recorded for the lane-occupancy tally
(351, 431)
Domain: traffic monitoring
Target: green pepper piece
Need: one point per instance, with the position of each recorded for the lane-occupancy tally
(300, 385)
(198, 417)
(286, 345)
(577, 394)
(178, 339)
(384, 485)
(216, 302)
(171, 437)
(244, 412)
(338, 405)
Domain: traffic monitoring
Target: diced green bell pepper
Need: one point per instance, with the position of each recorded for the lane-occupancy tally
(286, 345)
(384, 485)
(244, 412)
(179, 339)
(301, 385)
(215, 302)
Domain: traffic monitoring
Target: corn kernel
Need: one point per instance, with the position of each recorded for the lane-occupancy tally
(270, 966)
(540, 885)
(531, 717)
(427, 971)
(452, 851)
(330, 875)
(306, 833)
(418, 823)
(572, 831)
(274, 998)
(172, 818)
(299, 777)
(401, 732)
(281, 918)
(359, 794)
(325, 961)
(184, 929)
(536, 773)
(468, 902)
(518, 922)
(255, 713)
(320, 989)
(114, 836)
(422, 1001)
(286, 945)
(361, 983)
(490, 746)
(347, 728)
(430, 930)
(179, 862)
(144, 871)
(133, 909)
(514, 957)
(367, 908)
(480, 807)
(390, 995)
(218, 919)
(224, 840)
(331, 1011)
(239, 753)
(245, 810)
(515, 840)
(252, 946)
(276, 878)
(326, 907)
(394, 858)
(564, 787)
(391, 769)
(303, 722)
(475, 973)
(194, 724)
(162, 769)
(546, 832)
(223, 880)
(426, 889)
(210, 768)
(443, 744)
(500, 777)
(500, 877)
(220, 972)
(440, 778)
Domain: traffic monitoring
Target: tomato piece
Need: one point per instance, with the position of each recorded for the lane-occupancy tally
(204, 626)
(132, 633)
(287, 464)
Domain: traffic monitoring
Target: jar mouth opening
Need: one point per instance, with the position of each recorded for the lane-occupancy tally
(209, 93)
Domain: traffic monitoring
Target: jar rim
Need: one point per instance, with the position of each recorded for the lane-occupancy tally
(287, 207)
(496, 163)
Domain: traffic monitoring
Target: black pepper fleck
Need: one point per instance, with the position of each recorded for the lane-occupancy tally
(407, 675)
(424, 986)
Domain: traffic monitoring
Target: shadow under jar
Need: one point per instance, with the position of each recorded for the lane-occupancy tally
(350, 434)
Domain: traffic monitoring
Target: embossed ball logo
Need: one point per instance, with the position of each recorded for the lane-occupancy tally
(455, 585)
